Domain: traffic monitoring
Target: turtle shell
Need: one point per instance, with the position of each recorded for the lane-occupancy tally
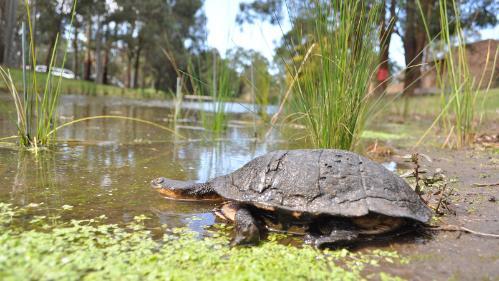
(322, 181)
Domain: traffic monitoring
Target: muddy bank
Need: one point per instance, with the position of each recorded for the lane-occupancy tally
(442, 255)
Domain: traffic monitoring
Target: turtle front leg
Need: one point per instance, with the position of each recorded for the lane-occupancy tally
(246, 230)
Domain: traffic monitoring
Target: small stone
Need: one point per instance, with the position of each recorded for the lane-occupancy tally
(492, 199)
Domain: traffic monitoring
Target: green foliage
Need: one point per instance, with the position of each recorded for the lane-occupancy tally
(91, 250)
(332, 93)
(256, 81)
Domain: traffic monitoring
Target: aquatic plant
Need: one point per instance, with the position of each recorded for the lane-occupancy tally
(36, 109)
(458, 90)
(92, 250)
(223, 89)
(220, 83)
(331, 97)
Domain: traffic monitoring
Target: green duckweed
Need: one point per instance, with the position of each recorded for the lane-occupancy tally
(93, 250)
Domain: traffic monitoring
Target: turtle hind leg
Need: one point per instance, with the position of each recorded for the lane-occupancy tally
(336, 239)
(332, 233)
(247, 231)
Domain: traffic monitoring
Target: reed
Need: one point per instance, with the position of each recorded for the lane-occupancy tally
(224, 88)
(36, 107)
(331, 97)
(220, 82)
(459, 90)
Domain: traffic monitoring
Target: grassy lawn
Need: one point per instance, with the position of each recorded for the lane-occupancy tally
(431, 104)
(81, 87)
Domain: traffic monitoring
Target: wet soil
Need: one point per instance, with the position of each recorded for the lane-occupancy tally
(443, 255)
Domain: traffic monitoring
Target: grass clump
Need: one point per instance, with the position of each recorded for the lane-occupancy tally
(91, 250)
(331, 97)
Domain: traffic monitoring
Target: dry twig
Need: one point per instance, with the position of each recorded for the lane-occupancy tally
(450, 227)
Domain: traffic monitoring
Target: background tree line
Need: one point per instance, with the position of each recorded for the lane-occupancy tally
(112, 42)
(143, 44)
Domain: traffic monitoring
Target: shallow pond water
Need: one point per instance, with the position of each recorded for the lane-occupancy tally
(104, 166)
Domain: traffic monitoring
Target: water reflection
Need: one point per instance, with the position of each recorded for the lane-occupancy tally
(392, 166)
(118, 105)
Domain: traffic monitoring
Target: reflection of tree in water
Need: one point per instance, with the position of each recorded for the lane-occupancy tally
(35, 181)
(223, 157)
(194, 215)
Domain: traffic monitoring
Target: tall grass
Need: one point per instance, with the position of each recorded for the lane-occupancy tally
(36, 107)
(458, 89)
(331, 96)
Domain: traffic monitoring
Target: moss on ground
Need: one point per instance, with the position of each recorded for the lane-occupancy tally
(92, 250)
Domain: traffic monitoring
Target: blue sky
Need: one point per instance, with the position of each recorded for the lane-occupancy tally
(224, 33)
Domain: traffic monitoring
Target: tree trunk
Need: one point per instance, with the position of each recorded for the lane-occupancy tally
(105, 71)
(75, 52)
(98, 57)
(128, 81)
(387, 26)
(414, 42)
(33, 16)
(52, 45)
(2, 32)
(88, 55)
(136, 67)
(9, 31)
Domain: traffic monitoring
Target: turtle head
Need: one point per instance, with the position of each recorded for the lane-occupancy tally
(172, 188)
(184, 190)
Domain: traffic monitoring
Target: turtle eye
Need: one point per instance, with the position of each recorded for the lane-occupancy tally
(157, 183)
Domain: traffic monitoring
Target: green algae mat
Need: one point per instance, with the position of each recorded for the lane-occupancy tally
(45, 248)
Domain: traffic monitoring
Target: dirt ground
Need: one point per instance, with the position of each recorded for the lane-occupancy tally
(447, 255)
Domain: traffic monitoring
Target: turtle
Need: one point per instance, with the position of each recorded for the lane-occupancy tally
(334, 197)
